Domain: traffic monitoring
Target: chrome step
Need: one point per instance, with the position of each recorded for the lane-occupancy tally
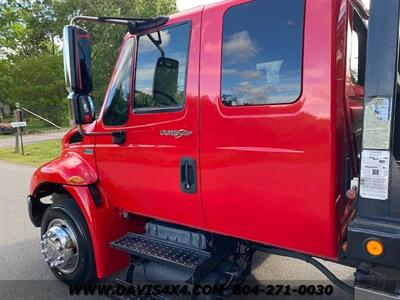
(160, 251)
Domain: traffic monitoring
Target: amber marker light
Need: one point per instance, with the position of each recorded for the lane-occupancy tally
(75, 180)
(374, 247)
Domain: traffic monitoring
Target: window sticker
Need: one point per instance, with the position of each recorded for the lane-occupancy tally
(374, 183)
(377, 123)
(272, 70)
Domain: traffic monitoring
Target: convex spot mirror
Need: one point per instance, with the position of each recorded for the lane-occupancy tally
(77, 60)
(83, 109)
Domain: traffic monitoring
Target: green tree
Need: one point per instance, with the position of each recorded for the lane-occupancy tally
(30, 40)
(107, 38)
(5, 81)
(28, 52)
(38, 84)
(28, 28)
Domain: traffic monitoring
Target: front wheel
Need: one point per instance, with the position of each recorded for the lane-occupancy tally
(66, 242)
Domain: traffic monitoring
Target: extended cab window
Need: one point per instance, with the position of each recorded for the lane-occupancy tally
(117, 102)
(262, 53)
(161, 69)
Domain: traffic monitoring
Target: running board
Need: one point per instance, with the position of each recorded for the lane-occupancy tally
(168, 258)
(163, 252)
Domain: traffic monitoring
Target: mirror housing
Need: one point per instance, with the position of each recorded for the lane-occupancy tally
(165, 84)
(77, 60)
(82, 109)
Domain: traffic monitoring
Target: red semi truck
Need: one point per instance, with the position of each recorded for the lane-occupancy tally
(236, 127)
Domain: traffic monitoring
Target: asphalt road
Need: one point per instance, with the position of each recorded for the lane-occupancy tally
(24, 275)
(9, 140)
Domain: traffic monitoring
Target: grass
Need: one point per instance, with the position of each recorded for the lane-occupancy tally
(35, 154)
(5, 136)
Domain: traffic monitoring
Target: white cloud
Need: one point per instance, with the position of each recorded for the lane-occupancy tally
(240, 46)
(145, 73)
(248, 75)
(146, 45)
(187, 4)
(230, 71)
(247, 93)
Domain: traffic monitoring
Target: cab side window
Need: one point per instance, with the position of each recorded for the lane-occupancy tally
(118, 97)
(161, 69)
(262, 53)
(357, 49)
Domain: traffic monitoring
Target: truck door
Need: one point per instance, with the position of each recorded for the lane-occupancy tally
(151, 168)
(266, 159)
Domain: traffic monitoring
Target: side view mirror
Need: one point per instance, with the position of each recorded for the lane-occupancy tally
(83, 111)
(165, 86)
(77, 60)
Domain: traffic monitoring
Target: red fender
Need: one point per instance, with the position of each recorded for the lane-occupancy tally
(70, 168)
(105, 223)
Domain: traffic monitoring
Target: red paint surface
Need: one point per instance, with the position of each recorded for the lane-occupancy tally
(105, 224)
(271, 174)
(268, 171)
(59, 170)
(143, 174)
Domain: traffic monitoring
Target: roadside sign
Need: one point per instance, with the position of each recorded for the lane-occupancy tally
(18, 124)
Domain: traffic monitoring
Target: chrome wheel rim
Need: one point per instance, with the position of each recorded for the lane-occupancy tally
(60, 246)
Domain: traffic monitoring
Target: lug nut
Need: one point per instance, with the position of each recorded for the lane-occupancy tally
(59, 263)
(44, 251)
(47, 259)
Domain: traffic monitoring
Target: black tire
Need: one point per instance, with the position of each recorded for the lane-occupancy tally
(65, 208)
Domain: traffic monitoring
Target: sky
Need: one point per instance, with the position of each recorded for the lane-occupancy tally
(186, 4)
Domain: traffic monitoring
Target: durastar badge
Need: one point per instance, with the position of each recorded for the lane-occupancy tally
(176, 133)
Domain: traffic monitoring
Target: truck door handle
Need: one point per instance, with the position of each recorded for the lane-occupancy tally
(119, 137)
(188, 175)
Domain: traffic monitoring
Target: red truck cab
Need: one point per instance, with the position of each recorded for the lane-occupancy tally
(238, 122)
